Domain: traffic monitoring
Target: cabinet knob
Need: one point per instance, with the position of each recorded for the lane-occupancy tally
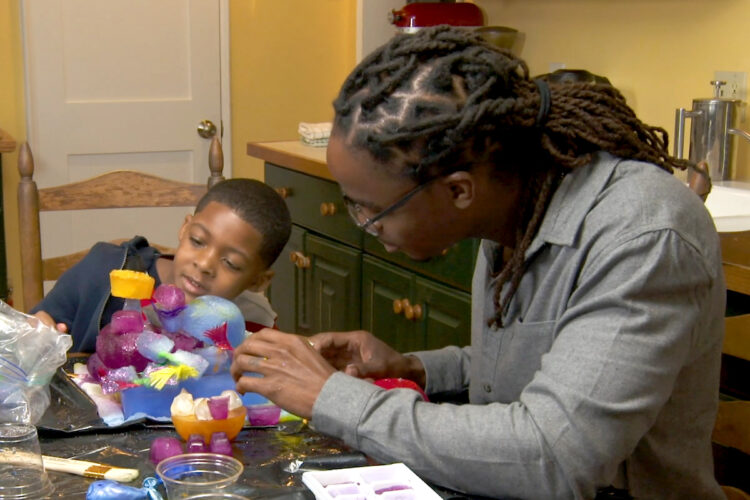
(445, 252)
(400, 305)
(284, 192)
(414, 312)
(300, 260)
(327, 208)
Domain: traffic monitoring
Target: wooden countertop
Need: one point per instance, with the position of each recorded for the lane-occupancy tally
(294, 155)
(735, 253)
(7, 143)
(735, 247)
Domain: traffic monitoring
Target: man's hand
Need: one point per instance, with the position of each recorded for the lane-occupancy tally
(289, 371)
(361, 354)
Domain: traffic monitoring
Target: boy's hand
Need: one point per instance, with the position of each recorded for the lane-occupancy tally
(292, 372)
(361, 354)
(50, 322)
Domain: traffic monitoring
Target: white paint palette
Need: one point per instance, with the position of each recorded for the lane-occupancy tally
(379, 482)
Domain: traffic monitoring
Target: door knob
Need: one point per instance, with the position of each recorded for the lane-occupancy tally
(206, 129)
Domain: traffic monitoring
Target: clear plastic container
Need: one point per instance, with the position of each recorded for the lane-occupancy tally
(192, 474)
(22, 474)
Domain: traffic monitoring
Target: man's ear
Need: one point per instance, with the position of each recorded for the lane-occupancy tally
(261, 282)
(462, 188)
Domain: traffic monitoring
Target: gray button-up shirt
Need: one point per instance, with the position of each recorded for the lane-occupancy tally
(606, 371)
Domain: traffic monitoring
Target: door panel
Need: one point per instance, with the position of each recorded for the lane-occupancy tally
(120, 84)
(446, 314)
(288, 285)
(334, 285)
(381, 285)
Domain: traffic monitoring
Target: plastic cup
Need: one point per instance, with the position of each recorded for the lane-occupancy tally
(191, 474)
(22, 474)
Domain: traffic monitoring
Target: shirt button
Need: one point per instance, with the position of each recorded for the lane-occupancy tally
(487, 388)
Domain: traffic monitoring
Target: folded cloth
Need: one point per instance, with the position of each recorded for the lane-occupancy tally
(315, 134)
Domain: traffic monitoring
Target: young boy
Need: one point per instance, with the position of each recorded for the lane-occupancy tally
(225, 248)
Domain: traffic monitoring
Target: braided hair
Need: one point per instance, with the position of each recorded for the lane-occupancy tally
(442, 100)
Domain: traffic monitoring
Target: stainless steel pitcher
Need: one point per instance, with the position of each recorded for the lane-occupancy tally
(714, 123)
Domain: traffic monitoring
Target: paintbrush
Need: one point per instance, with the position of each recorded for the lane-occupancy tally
(89, 469)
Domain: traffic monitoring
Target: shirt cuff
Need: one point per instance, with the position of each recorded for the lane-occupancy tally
(443, 372)
(339, 406)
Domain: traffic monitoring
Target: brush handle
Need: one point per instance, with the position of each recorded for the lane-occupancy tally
(89, 469)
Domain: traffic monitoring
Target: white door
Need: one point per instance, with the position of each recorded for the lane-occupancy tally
(122, 84)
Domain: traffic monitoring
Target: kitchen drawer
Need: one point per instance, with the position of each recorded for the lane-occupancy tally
(455, 267)
(314, 203)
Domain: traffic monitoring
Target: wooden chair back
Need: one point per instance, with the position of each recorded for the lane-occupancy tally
(116, 189)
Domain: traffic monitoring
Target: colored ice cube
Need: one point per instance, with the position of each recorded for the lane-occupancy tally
(208, 312)
(164, 447)
(126, 322)
(116, 351)
(195, 444)
(188, 358)
(220, 444)
(219, 407)
(151, 345)
(169, 297)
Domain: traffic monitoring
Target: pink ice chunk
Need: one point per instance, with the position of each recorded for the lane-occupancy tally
(220, 444)
(264, 414)
(219, 407)
(168, 297)
(96, 367)
(183, 342)
(150, 345)
(195, 444)
(110, 386)
(164, 447)
(126, 322)
(116, 351)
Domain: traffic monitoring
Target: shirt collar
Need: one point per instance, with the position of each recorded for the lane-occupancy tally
(572, 201)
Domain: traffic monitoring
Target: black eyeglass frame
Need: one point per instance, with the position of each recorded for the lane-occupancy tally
(355, 209)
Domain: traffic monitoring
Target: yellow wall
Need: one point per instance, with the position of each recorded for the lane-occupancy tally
(288, 60)
(660, 53)
(12, 120)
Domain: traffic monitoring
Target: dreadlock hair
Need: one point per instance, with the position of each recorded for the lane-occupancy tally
(441, 100)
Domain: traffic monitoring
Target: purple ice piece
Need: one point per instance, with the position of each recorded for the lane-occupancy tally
(116, 351)
(169, 297)
(183, 342)
(219, 407)
(123, 374)
(96, 367)
(150, 345)
(126, 322)
(164, 447)
(220, 444)
(195, 444)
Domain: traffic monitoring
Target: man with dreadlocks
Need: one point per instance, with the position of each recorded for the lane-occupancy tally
(597, 299)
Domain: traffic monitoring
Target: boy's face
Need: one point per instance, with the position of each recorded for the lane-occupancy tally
(218, 255)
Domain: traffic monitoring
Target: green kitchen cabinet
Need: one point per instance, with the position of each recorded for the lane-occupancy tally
(410, 312)
(316, 286)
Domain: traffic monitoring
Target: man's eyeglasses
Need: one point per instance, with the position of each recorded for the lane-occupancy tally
(367, 223)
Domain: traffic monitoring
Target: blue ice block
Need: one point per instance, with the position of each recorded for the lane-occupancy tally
(156, 404)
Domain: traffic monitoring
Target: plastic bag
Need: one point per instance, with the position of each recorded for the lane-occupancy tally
(30, 353)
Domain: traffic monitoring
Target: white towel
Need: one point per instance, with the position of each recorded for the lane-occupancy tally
(315, 134)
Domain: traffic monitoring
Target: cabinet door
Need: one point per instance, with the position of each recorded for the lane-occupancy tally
(382, 284)
(446, 314)
(286, 293)
(334, 285)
